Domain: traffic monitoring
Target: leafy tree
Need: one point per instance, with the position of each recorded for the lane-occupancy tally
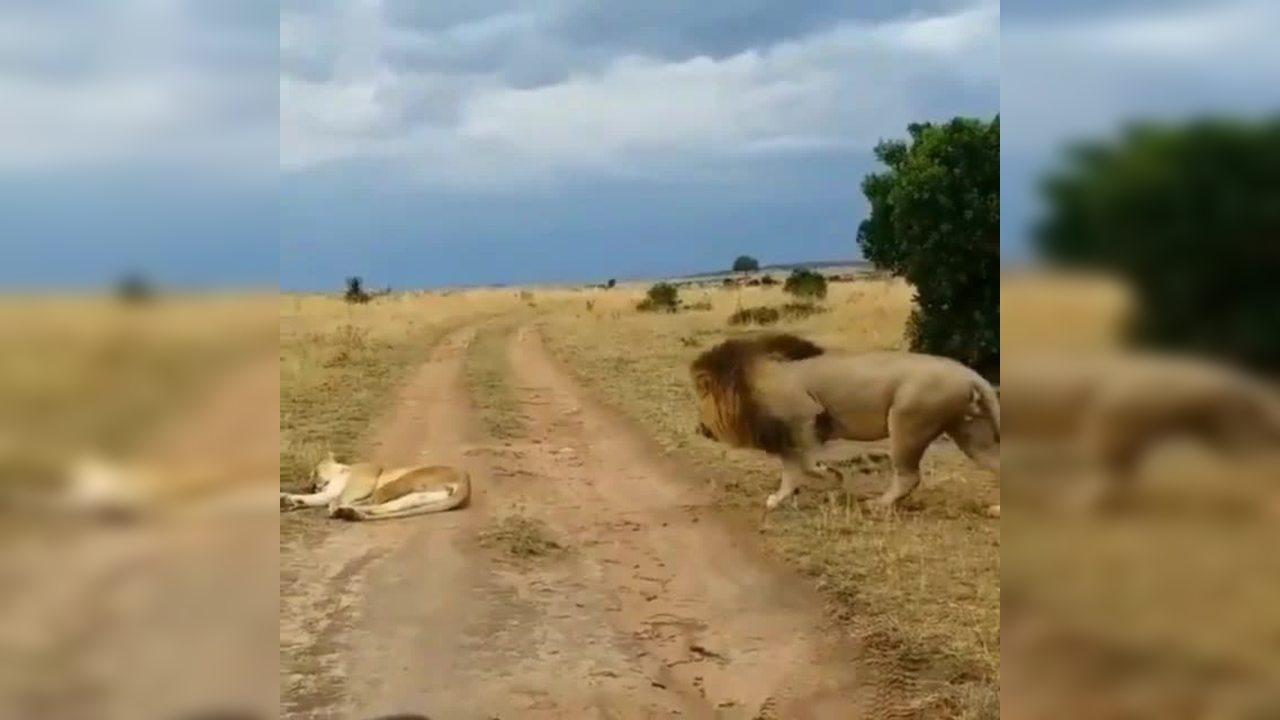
(355, 291)
(611, 284)
(1188, 214)
(746, 263)
(935, 221)
(806, 284)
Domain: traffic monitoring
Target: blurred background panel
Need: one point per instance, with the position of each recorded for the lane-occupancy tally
(138, 316)
(1140, 337)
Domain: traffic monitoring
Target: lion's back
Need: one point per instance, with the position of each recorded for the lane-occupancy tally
(417, 479)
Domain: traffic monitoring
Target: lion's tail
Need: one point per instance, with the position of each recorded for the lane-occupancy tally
(984, 397)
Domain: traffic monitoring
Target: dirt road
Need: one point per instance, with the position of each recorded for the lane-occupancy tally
(658, 608)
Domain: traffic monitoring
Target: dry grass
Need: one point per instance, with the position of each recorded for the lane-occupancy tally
(927, 578)
(88, 374)
(339, 363)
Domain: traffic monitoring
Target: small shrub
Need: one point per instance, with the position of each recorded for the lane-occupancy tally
(768, 280)
(764, 315)
(700, 306)
(801, 310)
(662, 297)
(591, 305)
(806, 284)
(355, 291)
(134, 289)
(611, 284)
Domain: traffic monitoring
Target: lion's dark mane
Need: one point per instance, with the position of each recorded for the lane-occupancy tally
(728, 366)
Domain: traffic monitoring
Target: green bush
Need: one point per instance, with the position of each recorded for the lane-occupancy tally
(746, 263)
(1186, 214)
(661, 297)
(935, 221)
(806, 284)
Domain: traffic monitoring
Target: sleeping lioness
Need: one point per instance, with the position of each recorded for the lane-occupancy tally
(364, 491)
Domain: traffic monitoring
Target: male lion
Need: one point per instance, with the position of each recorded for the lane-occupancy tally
(364, 491)
(1113, 408)
(786, 396)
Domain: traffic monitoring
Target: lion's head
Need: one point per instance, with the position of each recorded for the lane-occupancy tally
(728, 409)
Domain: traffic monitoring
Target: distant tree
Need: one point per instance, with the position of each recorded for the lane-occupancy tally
(805, 284)
(134, 288)
(611, 284)
(1187, 214)
(355, 291)
(746, 263)
(935, 221)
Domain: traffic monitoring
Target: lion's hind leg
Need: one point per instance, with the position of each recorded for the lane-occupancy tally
(909, 437)
(415, 503)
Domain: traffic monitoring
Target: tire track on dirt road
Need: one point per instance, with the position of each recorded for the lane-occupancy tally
(414, 615)
(710, 620)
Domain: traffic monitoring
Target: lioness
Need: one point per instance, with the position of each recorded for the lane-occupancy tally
(1112, 408)
(364, 491)
(786, 396)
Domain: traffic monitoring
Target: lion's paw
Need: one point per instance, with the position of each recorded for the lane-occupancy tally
(345, 513)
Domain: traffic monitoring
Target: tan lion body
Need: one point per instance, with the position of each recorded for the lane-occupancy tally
(1113, 408)
(98, 486)
(783, 395)
(364, 491)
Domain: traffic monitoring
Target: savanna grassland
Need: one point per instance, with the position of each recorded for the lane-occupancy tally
(919, 589)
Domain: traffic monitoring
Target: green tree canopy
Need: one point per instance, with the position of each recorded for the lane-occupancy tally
(746, 263)
(1189, 215)
(935, 221)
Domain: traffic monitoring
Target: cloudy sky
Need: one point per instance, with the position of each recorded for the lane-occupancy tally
(498, 141)
(426, 143)
(1083, 69)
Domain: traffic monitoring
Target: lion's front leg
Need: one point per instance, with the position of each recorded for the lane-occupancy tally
(792, 468)
(293, 501)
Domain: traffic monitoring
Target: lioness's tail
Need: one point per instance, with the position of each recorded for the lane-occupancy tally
(448, 497)
(984, 396)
